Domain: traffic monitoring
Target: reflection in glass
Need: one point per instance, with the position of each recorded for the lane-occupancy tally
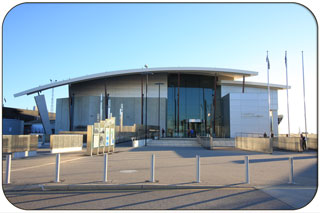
(196, 105)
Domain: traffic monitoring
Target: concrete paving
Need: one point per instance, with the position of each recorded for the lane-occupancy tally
(175, 167)
(214, 199)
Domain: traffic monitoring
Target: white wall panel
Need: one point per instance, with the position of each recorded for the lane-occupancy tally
(252, 114)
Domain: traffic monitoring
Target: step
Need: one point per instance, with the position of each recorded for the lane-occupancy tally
(174, 143)
(224, 142)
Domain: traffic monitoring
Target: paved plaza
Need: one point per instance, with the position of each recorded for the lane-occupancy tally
(175, 168)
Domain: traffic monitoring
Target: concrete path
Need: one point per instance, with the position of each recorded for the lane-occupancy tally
(175, 167)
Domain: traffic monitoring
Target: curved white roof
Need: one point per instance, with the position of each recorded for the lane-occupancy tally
(234, 73)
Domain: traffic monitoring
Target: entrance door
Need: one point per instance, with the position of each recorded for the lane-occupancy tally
(194, 127)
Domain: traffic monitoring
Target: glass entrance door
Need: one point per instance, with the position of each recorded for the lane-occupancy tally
(195, 129)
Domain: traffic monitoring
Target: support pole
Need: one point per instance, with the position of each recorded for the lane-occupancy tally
(268, 68)
(8, 169)
(101, 117)
(70, 108)
(291, 180)
(287, 93)
(152, 175)
(215, 104)
(141, 99)
(106, 100)
(246, 160)
(198, 168)
(178, 103)
(304, 101)
(146, 126)
(57, 180)
(243, 82)
(159, 113)
(105, 168)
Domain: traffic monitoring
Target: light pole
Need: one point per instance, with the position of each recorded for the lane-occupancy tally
(146, 126)
(52, 96)
(158, 83)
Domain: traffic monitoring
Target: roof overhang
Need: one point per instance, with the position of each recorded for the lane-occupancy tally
(255, 84)
(232, 73)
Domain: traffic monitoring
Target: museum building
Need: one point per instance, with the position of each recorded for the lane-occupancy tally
(183, 101)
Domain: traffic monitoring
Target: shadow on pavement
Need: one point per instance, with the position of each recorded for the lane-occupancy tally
(191, 152)
(273, 159)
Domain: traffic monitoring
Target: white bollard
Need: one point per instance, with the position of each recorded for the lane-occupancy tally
(105, 168)
(152, 175)
(291, 180)
(8, 172)
(57, 180)
(246, 160)
(198, 168)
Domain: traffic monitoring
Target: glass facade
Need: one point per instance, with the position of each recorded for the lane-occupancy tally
(196, 109)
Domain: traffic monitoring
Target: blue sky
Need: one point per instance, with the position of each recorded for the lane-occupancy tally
(61, 41)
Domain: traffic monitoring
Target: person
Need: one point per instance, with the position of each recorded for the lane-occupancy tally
(265, 135)
(162, 132)
(303, 142)
(191, 133)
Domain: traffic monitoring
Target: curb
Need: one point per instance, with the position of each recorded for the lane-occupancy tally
(85, 187)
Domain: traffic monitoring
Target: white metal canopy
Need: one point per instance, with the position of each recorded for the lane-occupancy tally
(234, 73)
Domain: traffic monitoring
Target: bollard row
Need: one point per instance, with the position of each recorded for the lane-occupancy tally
(152, 169)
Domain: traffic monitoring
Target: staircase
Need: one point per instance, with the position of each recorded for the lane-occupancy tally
(223, 142)
(175, 142)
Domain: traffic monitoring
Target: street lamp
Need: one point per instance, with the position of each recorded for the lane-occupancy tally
(146, 126)
(159, 83)
(52, 96)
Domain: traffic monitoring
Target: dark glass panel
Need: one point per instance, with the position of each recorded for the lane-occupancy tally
(196, 102)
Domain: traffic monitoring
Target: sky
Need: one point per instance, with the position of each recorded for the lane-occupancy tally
(60, 41)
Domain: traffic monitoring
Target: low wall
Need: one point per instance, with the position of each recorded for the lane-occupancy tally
(288, 143)
(84, 133)
(210, 142)
(254, 144)
(137, 131)
(294, 143)
(205, 142)
(19, 143)
(66, 143)
(312, 143)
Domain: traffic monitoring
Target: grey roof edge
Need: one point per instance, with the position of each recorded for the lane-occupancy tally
(255, 84)
(204, 70)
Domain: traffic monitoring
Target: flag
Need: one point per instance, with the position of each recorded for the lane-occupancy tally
(285, 58)
(267, 60)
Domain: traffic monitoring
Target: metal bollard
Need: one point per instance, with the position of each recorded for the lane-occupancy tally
(291, 180)
(246, 160)
(8, 169)
(198, 168)
(152, 175)
(57, 168)
(105, 168)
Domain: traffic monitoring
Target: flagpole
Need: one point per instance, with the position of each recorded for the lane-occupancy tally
(304, 100)
(269, 122)
(285, 59)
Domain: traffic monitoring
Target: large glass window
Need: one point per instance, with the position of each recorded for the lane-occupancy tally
(195, 113)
